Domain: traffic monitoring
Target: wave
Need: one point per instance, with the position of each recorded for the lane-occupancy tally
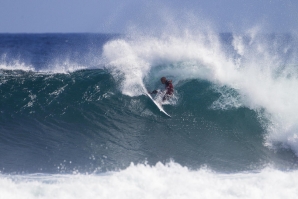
(83, 101)
(260, 68)
(82, 122)
(160, 181)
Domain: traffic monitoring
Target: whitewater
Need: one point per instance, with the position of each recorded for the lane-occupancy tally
(75, 121)
(159, 181)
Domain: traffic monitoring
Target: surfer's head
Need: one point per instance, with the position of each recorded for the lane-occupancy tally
(163, 80)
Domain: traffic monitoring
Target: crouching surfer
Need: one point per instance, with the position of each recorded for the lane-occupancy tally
(169, 88)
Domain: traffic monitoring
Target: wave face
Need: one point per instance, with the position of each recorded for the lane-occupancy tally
(81, 121)
(74, 103)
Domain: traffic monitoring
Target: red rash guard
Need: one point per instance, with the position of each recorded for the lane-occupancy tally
(169, 87)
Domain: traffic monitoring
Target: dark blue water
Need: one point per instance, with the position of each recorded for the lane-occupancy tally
(65, 108)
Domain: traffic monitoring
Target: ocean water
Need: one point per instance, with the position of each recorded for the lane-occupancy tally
(75, 121)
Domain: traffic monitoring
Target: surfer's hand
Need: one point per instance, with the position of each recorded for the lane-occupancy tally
(154, 92)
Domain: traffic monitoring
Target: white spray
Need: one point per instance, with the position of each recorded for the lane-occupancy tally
(256, 69)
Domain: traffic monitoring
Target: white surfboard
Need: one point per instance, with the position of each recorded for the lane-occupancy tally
(158, 105)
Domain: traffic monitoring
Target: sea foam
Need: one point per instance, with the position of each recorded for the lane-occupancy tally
(160, 181)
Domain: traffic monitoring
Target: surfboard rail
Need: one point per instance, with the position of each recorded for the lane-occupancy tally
(159, 106)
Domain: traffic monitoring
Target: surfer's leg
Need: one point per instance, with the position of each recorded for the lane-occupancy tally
(166, 97)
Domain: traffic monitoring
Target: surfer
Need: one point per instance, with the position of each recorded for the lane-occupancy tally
(169, 88)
